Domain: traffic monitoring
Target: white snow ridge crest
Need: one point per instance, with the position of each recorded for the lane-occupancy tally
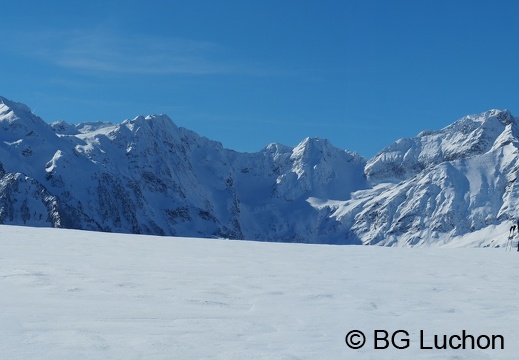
(148, 176)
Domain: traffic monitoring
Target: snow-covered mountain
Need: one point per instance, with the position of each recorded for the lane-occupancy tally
(438, 185)
(149, 176)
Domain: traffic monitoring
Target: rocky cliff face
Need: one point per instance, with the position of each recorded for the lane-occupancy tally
(147, 175)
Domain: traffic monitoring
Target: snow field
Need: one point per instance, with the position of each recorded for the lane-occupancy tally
(68, 294)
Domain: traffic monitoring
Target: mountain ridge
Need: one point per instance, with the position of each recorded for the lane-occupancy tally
(149, 176)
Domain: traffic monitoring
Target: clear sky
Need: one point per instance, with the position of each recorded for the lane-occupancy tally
(360, 73)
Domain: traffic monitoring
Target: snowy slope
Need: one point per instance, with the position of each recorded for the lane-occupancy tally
(70, 294)
(148, 176)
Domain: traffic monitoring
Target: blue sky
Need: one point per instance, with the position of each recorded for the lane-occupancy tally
(247, 73)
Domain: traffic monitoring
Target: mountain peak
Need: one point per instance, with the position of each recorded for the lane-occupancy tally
(159, 122)
(7, 106)
(505, 117)
(466, 137)
(17, 122)
(314, 142)
(312, 148)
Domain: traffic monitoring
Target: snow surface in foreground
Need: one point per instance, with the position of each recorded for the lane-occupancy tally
(84, 295)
